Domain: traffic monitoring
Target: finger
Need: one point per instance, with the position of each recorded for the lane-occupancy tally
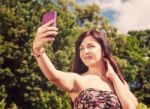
(48, 39)
(49, 33)
(110, 67)
(107, 61)
(49, 23)
(108, 64)
(107, 74)
(45, 29)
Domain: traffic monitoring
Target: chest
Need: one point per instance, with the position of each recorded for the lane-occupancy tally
(92, 81)
(96, 99)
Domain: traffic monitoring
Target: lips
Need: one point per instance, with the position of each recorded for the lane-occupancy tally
(88, 57)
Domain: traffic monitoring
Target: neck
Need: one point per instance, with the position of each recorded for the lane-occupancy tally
(98, 69)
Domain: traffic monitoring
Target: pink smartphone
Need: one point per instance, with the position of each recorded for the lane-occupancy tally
(51, 15)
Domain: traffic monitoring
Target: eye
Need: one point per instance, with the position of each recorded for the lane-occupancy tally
(91, 46)
(81, 48)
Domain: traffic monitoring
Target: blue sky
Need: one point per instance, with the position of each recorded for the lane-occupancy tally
(109, 14)
(124, 14)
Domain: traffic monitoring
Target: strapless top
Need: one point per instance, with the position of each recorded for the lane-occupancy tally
(92, 98)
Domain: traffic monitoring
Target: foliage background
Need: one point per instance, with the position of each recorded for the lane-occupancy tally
(22, 84)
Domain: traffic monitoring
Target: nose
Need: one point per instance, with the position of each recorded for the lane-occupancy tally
(86, 50)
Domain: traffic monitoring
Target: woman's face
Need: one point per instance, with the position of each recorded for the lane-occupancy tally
(90, 51)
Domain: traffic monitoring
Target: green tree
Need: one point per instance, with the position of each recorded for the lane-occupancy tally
(141, 85)
(22, 84)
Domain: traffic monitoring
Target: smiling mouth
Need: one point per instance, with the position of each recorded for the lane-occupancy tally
(88, 57)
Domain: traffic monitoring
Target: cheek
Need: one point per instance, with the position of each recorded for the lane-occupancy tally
(98, 54)
(81, 56)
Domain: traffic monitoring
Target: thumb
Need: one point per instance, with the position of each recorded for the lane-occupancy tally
(107, 74)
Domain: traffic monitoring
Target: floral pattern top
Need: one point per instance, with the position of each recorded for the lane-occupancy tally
(96, 99)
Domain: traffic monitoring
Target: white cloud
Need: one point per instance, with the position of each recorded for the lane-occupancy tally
(131, 14)
(110, 4)
(134, 15)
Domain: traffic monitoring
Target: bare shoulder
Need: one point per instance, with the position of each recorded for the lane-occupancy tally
(78, 78)
(78, 85)
(84, 74)
(75, 75)
(78, 81)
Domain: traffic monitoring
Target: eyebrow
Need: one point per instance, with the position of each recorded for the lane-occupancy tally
(87, 44)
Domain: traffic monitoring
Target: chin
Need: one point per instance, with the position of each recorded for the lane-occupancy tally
(91, 64)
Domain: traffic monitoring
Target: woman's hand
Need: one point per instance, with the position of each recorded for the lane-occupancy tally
(110, 72)
(44, 34)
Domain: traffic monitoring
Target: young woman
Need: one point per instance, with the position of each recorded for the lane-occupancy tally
(95, 81)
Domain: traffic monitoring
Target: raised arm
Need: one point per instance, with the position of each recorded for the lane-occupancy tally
(61, 79)
(126, 97)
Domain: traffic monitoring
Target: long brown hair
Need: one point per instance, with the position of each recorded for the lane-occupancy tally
(79, 67)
